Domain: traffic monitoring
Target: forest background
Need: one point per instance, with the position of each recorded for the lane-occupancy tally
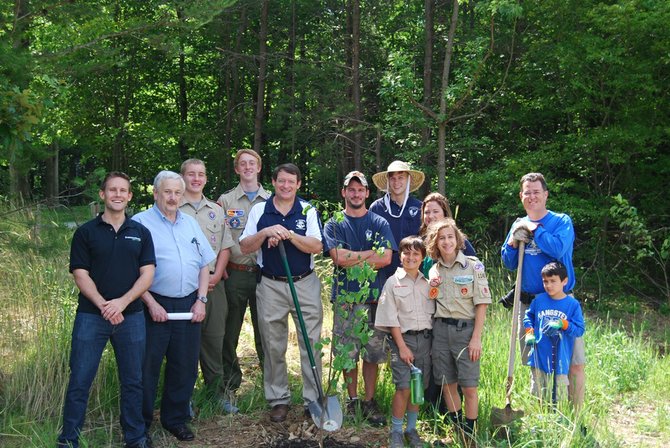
(472, 93)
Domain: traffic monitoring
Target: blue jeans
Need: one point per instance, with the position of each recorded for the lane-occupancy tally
(89, 338)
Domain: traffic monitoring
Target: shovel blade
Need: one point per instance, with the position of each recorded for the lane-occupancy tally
(327, 415)
(504, 416)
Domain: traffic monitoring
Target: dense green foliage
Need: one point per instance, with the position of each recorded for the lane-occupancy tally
(578, 90)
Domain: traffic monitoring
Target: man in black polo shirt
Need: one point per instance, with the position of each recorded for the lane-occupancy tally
(112, 260)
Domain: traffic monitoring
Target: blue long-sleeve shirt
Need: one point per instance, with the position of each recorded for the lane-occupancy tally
(542, 310)
(552, 241)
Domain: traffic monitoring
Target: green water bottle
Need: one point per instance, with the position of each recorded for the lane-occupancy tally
(416, 384)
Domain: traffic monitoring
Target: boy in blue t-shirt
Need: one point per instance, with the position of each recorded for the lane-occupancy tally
(553, 322)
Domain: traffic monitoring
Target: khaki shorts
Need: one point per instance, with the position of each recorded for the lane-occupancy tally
(542, 385)
(451, 358)
(375, 350)
(420, 346)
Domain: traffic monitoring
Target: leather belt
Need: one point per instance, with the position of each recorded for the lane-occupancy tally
(451, 321)
(426, 332)
(242, 267)
(283, 278)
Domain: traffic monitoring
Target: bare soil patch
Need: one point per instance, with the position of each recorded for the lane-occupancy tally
(256, 430)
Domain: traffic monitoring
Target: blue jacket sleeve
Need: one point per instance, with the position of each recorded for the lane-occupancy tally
(529, 318)
(555, 244)
(575, 322)
(510, 255)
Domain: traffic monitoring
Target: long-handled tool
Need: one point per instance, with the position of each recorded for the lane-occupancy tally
(326, 412)
(506, 415)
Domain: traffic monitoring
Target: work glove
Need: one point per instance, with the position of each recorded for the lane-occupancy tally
(553, 327)
(530, 337)
(520, 231)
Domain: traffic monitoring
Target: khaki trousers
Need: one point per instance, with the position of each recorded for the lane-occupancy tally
(275, 303)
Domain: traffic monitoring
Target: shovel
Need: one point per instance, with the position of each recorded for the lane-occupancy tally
(506, 415)
(326, 412)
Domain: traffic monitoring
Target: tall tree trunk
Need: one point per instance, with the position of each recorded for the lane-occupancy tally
(429, 30)
(356, 81)
(262, 73)
(51, 187)
(442, 124)
(183, 105)
(19, 188)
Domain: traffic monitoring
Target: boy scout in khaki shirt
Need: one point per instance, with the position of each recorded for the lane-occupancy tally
(210, 218)
(242, 269)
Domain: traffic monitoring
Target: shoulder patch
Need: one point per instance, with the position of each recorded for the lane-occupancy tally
(479, 266)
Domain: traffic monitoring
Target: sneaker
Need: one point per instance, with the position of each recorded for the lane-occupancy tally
(397, 440)
(413, 439)
(373, 415)
(228, 407)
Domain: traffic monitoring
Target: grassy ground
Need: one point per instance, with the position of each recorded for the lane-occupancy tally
(628, 389)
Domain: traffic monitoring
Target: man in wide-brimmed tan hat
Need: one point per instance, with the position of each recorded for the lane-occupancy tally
(402, 211)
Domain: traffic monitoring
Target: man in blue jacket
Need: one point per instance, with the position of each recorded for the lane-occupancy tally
(549, 236)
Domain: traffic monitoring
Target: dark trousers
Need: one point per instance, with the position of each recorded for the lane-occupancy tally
(178, 341)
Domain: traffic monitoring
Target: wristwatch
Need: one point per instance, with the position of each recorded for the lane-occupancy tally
(203, 299)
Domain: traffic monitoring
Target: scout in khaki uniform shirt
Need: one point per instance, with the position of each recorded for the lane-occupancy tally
(406, 311)
(210, 218)
(242, 269)
(462, 292)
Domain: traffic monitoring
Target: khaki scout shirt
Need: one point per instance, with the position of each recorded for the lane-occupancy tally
(210, 218)
(464, 285)
(404, 303)
(236, 206)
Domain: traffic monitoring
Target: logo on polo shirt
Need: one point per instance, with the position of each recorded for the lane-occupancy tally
(368, 235)
(134, 238)
(413, 211)
(301, 224)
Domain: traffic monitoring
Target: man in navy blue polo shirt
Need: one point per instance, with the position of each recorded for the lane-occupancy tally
(360, 236)
(179, 290)
(112, 261)
(285, 217)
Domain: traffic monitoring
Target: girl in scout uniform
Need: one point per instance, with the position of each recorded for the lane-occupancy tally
(461, 290)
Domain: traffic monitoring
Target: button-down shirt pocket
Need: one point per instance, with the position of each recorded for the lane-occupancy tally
(404, 300)
(464, 286)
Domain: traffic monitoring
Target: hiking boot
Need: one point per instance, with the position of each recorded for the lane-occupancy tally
(397, 440)
(278, 413)
(353, 406)
(373, 415)
(413, 439)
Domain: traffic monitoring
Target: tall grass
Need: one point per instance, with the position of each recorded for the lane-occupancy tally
(38, 307)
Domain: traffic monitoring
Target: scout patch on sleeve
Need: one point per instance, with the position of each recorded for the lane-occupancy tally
(234, 223)
(484, 290)
(479, 266)
(463, 279)
(433, 292)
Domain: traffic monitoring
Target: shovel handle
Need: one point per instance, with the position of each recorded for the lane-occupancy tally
(301, 320)
(514, 336)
